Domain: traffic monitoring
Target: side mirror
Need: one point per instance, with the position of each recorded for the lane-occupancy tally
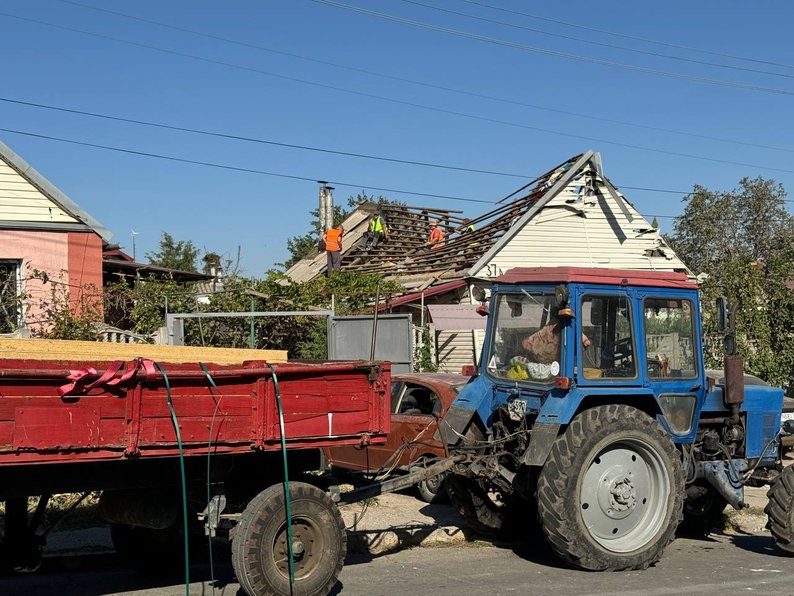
(722, 313)
(478, 293)
(562, 294)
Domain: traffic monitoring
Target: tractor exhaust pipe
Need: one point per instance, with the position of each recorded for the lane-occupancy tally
(733, 364)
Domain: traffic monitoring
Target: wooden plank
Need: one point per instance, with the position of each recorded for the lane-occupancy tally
(92, 351)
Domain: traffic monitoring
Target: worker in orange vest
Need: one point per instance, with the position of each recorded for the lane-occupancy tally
(333, 248)
(436, 239)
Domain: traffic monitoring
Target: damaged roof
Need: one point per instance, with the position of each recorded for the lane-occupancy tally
(586, 222)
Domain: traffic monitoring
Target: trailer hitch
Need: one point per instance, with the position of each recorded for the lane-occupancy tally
(416, 475)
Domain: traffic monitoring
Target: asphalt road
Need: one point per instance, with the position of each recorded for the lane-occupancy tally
(721, 564)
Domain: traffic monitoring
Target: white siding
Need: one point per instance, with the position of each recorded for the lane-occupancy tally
(21, 201)
(455, 348)
(588, 232)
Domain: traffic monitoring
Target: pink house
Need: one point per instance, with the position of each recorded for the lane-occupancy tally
(48, 246)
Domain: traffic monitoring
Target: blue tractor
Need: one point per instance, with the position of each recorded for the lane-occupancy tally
(592, 407)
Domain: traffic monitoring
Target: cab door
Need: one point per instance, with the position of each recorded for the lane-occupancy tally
(672, 365)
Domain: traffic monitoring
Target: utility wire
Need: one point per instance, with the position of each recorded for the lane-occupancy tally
(596, 43)
(399, 101)
(294, 177)
(237, 168)
(252, 139)
(290, 145)
(423, 83)
(554, 53)
(632, 37)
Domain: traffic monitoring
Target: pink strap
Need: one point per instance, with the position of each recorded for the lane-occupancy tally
(84, 380)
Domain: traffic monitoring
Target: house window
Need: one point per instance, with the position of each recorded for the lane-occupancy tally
(10, 296)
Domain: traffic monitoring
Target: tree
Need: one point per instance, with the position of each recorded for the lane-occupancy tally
(174, 254)
(743, 241)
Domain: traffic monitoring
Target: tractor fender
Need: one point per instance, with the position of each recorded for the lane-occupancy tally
(474, 399)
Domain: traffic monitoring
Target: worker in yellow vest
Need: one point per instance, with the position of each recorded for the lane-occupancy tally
(333, 248)
(376, 231)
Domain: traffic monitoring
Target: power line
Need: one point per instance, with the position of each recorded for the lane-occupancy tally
(633, 37)
(238, 168)
(397, 101)
(281, 175)
(555, 53)
(253, 139)
(423, 83)
(596, 43)
(292, 146)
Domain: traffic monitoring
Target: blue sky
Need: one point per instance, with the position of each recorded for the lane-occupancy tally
(220, 209)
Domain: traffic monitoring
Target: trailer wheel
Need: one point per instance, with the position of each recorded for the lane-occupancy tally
(780, 509)
(259, 544)
(702, 513)
(610, 495)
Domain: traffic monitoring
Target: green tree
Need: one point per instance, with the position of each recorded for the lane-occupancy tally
(174, 254)
(742, 241)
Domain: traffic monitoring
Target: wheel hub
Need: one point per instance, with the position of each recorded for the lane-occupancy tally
(622, 496)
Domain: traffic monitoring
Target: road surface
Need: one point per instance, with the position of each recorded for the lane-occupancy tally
(720, 564)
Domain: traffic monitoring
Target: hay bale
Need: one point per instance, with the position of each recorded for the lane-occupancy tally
(93, 351)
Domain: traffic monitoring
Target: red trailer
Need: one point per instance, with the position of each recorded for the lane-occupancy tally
(112, 426)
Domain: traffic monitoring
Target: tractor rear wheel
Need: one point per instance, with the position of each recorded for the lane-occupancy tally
(780, 510)
(610, 494)
(260, 554)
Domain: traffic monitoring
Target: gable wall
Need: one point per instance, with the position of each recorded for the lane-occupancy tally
(591, 233)
(21, 201)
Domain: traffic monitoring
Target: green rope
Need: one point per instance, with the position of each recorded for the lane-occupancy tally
(182, 473)
(287, 505)
(209, 470)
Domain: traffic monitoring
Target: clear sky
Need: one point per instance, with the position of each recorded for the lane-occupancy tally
(634, 114)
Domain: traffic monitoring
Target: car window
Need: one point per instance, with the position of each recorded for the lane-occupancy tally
(418, 400)
(396, 391)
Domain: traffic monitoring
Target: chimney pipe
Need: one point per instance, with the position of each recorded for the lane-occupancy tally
(326, 206)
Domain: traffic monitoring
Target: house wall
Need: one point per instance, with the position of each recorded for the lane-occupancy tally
(70, 260)
(585, 231)
(21, 201)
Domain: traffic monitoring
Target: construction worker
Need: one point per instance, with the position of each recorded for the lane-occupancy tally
(376, 231)
(436, 238)
(467, 226)
(333, 248)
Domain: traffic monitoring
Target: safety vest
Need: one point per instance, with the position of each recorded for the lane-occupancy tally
(376, 225)
(333, 240)
(436, 237)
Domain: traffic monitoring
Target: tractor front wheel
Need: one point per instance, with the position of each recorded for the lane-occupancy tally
(610, 495)
(780, 510)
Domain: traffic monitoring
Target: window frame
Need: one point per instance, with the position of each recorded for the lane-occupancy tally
(20, 306)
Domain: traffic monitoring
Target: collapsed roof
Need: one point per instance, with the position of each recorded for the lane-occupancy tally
(576, 198)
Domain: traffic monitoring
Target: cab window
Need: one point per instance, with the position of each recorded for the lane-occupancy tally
(669, 338)
(607, 342)
(526, 337)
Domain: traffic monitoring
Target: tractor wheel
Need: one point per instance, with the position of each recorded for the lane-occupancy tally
(611, 492)
(702, 514)
(780, 510)
(476, 505)
(259, 544)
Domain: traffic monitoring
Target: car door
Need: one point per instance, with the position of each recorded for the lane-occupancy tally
(412, 425)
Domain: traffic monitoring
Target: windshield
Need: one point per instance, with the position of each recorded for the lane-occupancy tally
(526, 337)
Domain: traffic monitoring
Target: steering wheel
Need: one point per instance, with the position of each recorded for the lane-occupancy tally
(619, 356)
